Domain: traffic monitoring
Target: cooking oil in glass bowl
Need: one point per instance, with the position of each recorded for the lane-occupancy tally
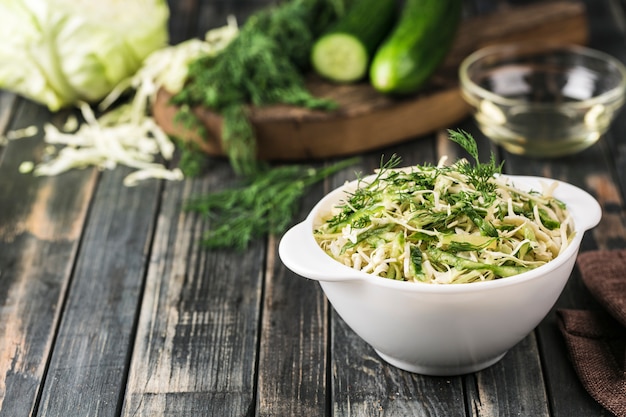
(545, 131)
(543, 101)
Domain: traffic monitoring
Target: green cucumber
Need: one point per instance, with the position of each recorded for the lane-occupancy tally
(416, 46)
(344, 52)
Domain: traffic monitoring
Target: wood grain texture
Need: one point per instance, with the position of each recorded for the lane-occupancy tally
(196, 342)
(41, 223)
(7, 103)
(513, 386)
(88, 367)
(293, 355)
(547, 21)
(193, 18)
(364, 385)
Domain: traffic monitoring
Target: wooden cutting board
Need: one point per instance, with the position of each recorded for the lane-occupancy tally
(367, 120)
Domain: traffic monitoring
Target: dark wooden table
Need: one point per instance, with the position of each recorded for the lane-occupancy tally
(110, 306)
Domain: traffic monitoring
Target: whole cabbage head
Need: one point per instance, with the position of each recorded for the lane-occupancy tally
(61, 52)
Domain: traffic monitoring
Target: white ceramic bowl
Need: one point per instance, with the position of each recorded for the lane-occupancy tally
(439, 329)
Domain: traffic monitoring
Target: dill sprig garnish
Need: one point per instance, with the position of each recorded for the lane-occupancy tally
(364, 196)
(480, 174)
(261, 205)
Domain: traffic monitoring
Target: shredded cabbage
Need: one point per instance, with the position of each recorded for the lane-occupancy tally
(431, 224)
(62, 52)
(126, 134)
(98, 143)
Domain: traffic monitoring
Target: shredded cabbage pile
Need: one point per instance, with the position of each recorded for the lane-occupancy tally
(126, 134)
(431, 224)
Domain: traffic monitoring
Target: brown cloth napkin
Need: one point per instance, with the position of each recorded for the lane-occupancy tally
(596, 340)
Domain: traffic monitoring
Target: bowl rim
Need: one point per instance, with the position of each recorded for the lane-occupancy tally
(586, 212)
(469, 86)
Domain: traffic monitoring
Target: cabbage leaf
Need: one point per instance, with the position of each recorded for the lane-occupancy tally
(63, 52)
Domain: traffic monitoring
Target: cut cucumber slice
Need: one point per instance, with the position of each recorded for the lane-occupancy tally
(340, 57)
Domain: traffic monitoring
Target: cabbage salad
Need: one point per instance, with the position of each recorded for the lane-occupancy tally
(459, 223)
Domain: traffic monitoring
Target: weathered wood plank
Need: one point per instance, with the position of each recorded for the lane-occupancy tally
(214, 13)
(41, 222)
(7, 103)
(608, 36)
(87, 371)
(193, 18)
(293, 354)
(183, 20)
(566, 395)
(597, 172)
(195, 350)
(292, 374)
(513, 386)
(365, 385)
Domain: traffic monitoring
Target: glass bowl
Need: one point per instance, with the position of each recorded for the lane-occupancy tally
(543, 100)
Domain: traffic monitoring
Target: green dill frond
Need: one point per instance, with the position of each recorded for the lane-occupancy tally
(466, 141)
(192, 160)
(261, 205)
(238, 141)
(384, 171)
(480, 174)
(393, 162)
(364, 197)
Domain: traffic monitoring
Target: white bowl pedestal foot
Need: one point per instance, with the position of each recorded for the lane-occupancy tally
(438, 370)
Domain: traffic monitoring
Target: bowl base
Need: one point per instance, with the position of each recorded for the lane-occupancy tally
(439, 370)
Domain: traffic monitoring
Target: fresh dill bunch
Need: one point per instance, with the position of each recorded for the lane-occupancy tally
(192, 160)
(238, 140)
(261, 205)
(480, 174)
(263, 65)
(295, 25)
(253, 69)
